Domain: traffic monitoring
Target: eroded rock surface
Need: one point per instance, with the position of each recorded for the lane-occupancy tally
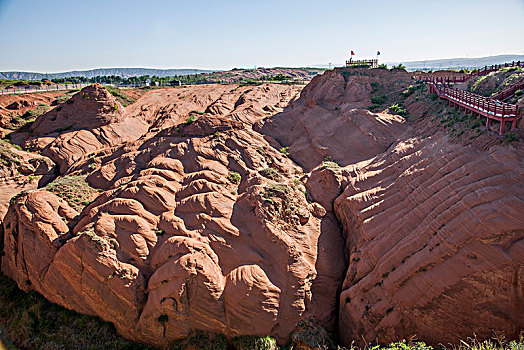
(21, 171)
(436, 244)
(90, 121)
(330, 119)
(203, 222)
(187, 235)
(93, 120)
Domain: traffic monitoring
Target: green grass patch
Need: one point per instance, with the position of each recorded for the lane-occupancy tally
(477, 82)
(379, 100)
(375, 86)
(270, 173)
(74, 190)
(119, 95)
(329, 163)
(409, 91)
(284, 150)
(32, 322)
(234, 177)
(397, 109)
(65, 98)
(511, 136)
(190, 119)
(8, 158)
(309, 334)
(29, 116)
(200, 340)
(249, 342)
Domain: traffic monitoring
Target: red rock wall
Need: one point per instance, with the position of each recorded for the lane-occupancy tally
(436, 241)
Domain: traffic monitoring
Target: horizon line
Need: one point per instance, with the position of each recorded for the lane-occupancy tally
(314, 66)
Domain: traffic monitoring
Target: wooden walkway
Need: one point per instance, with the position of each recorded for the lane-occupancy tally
(445, 79)
(483, 106)
(492, 108)
(463, 78)
(509, 91)
(488, 69)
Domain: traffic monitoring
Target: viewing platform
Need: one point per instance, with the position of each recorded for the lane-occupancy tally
(371, 63)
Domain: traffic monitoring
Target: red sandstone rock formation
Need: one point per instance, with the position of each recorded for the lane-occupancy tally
(436, 243)
(205, 225)
(21, 171)
(16, 105)
(434, 231)
(177, 242)
(330, 119)
(91, 120)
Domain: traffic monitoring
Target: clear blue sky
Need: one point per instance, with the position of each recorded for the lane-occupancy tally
(59, 35)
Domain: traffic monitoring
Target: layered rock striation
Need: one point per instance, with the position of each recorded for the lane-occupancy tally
(205, 221)
(435, 237)
(202, 226)
(331, 119)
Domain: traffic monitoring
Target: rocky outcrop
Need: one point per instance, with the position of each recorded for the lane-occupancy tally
(90, 108)
(164, 108)
(90, 121)
(14, 108)
(436, 244)
(188, 235)
(21, 171)
(93, 120)
(330, 119)
(494, 82)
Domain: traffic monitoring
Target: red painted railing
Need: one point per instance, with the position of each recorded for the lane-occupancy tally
(445, 79)
(488, 69)
(483, 106)
(509, 91)
(460, 79)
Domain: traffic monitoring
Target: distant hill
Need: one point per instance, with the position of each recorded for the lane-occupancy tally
(449, 63)
(457, 63)
(123, 72)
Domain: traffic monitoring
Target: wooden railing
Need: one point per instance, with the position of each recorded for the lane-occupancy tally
(372, 63)
(483, 106)
(36, 88)
(445, 79)
(488, 69)
(460, 79)
(509, 91)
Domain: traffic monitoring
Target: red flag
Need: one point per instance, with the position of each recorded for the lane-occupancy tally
(352, 53)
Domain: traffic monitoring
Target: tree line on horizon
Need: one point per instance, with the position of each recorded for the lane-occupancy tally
(141, 80)
(138, 81)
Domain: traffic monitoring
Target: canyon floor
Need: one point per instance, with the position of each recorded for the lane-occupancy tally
(355, 210)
